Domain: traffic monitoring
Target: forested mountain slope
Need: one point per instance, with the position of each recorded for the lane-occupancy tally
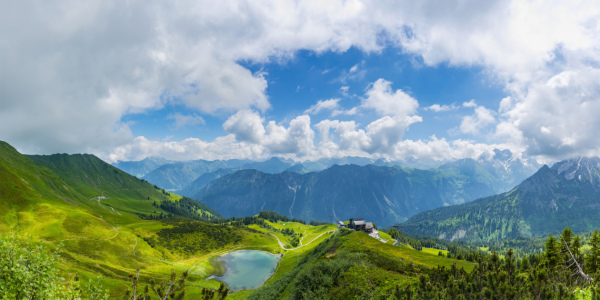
(565, 195)
(384, 195)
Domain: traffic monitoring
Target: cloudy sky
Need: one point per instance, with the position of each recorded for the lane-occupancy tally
(301, 79)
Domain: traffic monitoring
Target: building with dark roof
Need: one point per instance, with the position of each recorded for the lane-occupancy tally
(359, 224)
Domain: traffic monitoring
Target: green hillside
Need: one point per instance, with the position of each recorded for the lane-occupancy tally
(108, 224)
(566, 195)
(95, 214)
(352, 265)
(100, 217)
(93, 178)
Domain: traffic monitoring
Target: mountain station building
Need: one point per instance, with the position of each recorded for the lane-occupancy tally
(359, 224)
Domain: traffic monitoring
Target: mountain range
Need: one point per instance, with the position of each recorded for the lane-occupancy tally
(188, 178)
(105, 224)
(194, 168)
(384, 195)
(564, 195)
(179, 176)
(105, 220)
(142, 167)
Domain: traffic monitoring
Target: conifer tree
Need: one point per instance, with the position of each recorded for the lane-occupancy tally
(524, 264)
(566, 242)
(510, 265)
(222, 292)
(592, 259)
(552, 251)
(576, 248)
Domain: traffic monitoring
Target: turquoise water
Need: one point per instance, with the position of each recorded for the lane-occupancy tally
(247, 269)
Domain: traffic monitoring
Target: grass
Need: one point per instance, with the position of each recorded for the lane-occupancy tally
(54, 200)
(292, 257)
(358, 241)
(367, 276)
(434, 251)
(96, 241)
(371, 265)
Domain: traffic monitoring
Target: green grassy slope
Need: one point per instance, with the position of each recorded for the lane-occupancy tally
(93, 178)
(347, 264)
(92, 210)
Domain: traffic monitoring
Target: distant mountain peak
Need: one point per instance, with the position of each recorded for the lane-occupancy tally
(565, 194)
(581, 168)
(502, 155)
(543, 179)
(275, 158)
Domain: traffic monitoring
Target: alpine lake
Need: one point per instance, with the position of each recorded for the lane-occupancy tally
(247, 269)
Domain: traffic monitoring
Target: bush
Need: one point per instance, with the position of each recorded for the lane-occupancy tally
(28, 271)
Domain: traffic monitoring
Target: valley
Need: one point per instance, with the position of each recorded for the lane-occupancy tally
(108, 223)
(380, 190)
(93, 213)
(385, 195)
(299, 150)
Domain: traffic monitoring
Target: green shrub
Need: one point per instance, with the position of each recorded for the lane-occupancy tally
(28, 271)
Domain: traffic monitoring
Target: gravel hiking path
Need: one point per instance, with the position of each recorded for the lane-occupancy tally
(282, 244)
(305, 233)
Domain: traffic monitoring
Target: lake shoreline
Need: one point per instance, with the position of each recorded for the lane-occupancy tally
(219, 266)
(244, 269)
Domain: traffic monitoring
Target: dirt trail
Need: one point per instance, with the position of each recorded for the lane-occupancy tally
(134, 245)
(282, 244)
(305, 233)
(278, 241)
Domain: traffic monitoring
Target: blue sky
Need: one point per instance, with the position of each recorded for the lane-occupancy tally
(308, 77)
(304, 80)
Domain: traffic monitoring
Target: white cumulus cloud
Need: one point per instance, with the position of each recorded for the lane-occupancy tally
(386, 102)
(473, 124)
(441, 108)
(71, 71)
(248, 127)
(559, 118)
(330, 104)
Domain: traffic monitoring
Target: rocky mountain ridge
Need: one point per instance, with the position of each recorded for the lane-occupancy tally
(566, 194)
(383, 194)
